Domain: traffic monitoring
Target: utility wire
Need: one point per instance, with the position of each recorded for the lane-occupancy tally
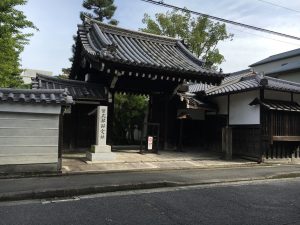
(279, 6)
(261, 36)
(161, 3)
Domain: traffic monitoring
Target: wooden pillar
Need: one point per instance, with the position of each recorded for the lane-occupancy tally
(73, 128)
(180, 135)
(60, 140)
(262, 144)
(150, 109)
(228, 109)
(227, 135)
(166, 118)
(227, 142)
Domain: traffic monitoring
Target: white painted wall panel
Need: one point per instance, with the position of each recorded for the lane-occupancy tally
(36, 131)
(29, 138)
(294, 76)
(30, 150)
(28, 123)
(30, 108)
(28, 159)
(240, 112)
(268, 67)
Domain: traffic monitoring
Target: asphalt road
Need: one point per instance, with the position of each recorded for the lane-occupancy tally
(265, 202)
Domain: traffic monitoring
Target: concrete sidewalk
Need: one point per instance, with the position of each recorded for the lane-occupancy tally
(72, 185)
(131, 160)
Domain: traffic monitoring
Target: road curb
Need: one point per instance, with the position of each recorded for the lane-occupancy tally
(59, 193)
(63, 193)
(30, 175)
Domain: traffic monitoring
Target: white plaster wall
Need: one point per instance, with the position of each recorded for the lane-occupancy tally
(294, 77)
(29, 133)
(30, 108)
(277, 95)
(221, 101)
(268, 67)
(240, 112)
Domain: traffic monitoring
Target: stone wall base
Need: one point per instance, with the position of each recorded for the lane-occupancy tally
(283, 160)
(29, 168)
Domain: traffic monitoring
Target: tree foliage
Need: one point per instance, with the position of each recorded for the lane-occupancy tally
(102, 10)
(200, 34)
(65, 73)
(129, 110)
(12, 41)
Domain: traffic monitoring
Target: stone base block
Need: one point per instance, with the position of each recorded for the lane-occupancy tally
(100, 156)
(101, 149)
(277, 161)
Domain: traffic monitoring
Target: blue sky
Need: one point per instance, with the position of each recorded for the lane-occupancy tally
(50, 48)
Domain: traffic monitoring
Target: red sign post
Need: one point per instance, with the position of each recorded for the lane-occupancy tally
(150, 142)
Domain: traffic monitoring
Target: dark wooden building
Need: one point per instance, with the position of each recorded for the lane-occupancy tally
(262, 112)
(110, 59)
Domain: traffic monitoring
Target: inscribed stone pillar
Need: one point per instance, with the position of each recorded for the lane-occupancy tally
(101, 151)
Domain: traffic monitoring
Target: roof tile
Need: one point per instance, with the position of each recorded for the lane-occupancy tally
(135, 48)
(79, 90)
(54, 96)
(246, 82)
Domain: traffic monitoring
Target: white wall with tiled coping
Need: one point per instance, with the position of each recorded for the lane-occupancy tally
(29, 135)
(241, 113)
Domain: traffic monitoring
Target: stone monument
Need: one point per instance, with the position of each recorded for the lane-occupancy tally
(101, 151)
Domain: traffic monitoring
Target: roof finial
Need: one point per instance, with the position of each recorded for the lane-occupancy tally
(34, 83)
(86, 19)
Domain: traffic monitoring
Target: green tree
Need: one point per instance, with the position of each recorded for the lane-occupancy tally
(200, 34)
(65, 73)
(129, 110)
(102, 10)
(12, 41)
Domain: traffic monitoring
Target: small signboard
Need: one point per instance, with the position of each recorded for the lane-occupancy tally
(150, 142)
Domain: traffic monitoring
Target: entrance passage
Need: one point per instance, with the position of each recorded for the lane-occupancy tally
(130, 112)
(131, 160)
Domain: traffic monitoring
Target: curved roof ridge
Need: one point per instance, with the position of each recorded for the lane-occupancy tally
(130, 31)
(189, 54)
(141, 50)
(34, 91)
(229, 80)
